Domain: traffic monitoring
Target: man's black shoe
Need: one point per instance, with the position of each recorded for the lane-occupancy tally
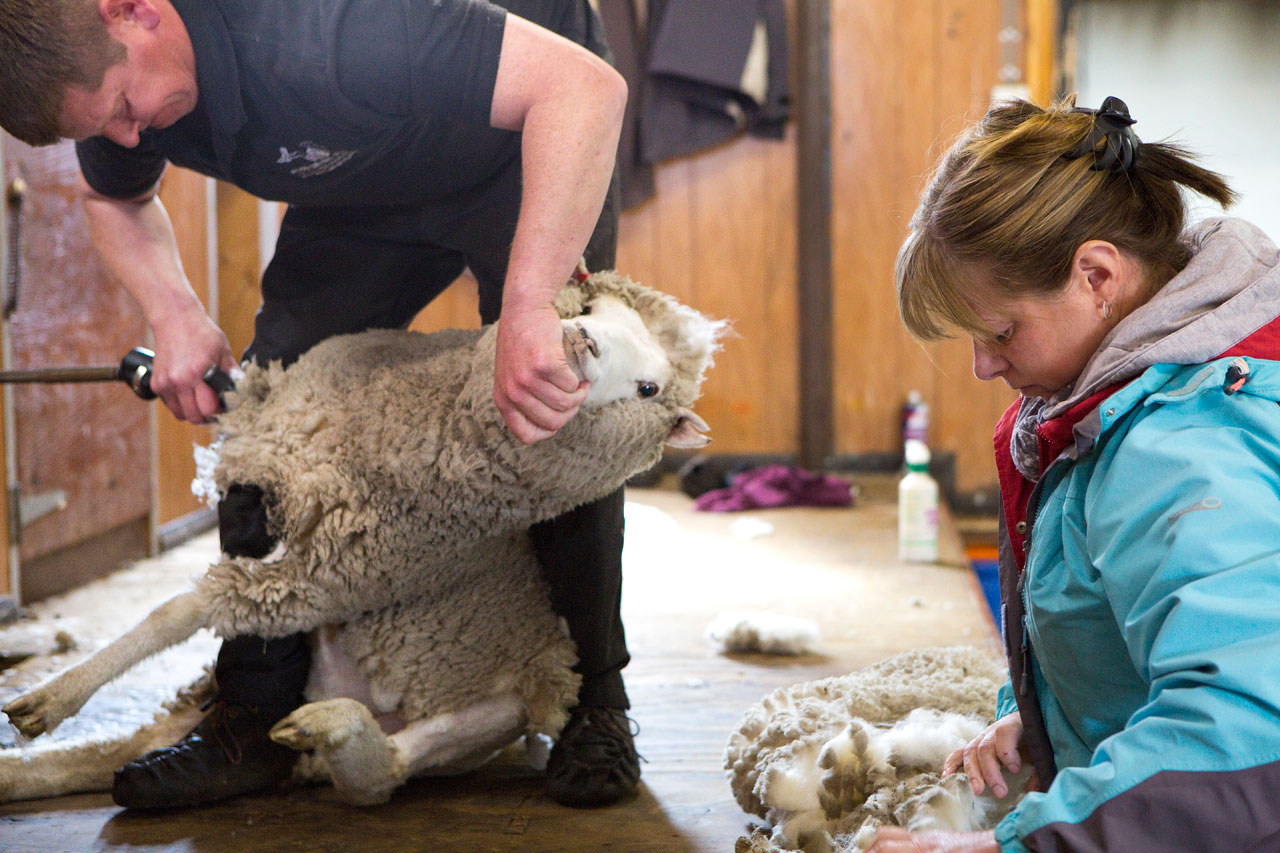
(594, 762)
(229, 753)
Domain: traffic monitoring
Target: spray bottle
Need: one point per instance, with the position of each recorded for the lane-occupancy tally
(915, 418)
(917, 507)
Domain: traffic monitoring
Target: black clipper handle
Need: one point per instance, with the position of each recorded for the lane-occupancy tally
(137, 364)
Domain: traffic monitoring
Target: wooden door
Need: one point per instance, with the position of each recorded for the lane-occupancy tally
(177, 514)
(80, 453)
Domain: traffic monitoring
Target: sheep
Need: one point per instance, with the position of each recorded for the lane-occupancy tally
(828, 762)
(401, 503)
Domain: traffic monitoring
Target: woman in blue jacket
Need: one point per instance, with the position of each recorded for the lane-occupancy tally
(1140, 480)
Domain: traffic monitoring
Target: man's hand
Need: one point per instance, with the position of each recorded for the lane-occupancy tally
(893, 839)
(187, 345)
(134, 238)
(982, 758)
(533, 386)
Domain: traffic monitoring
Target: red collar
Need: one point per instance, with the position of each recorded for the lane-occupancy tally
(1054, 437)
(1264, 343)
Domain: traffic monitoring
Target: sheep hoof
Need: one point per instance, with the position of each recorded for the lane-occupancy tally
(323, 725)
(36, 713)
(361, 762)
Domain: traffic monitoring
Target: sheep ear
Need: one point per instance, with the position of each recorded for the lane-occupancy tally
(689, 431)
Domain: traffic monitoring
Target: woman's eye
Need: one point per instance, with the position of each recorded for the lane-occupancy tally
(1004, 337)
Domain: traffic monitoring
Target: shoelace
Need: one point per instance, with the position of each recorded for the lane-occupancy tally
(220, 720)
(617, 726)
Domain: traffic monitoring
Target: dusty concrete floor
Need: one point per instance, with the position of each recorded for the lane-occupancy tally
(837, 567)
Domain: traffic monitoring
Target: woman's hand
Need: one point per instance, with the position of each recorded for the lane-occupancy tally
(893, 839)
(984, 756)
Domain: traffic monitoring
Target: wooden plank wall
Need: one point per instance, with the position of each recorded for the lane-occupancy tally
(720, 235)
(185, 196)
(906, 78)
(239, 265)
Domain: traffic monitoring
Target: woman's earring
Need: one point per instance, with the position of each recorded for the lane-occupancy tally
(1106, 310)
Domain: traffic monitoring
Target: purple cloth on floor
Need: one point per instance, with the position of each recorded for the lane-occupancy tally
(776, 485)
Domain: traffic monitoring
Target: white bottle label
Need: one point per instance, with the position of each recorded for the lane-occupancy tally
(918, 520)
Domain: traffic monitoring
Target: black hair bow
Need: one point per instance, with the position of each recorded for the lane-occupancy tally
(1113, 123)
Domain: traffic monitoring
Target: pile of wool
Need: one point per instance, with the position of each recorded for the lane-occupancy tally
(828, 762)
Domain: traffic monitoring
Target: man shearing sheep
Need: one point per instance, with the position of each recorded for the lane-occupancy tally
(410, 140)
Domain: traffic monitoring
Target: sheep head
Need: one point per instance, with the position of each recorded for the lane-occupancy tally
(631, 342)
(609, 346)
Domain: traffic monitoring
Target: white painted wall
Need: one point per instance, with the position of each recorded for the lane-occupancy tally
(1204, 73)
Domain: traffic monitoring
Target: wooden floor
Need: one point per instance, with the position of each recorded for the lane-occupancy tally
(682, 568)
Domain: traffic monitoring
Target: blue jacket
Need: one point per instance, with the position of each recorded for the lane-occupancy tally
(1148, 615)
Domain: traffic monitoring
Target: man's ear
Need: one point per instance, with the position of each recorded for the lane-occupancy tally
(141, 13)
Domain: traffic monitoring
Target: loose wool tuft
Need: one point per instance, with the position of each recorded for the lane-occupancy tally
(762, 631)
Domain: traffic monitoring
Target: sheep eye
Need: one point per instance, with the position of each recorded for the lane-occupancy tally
(586, 309)
(646, 389)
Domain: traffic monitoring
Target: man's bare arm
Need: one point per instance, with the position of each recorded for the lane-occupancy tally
(568, 105)
(135, 239)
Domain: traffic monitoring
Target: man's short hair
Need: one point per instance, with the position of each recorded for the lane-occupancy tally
(46, 46)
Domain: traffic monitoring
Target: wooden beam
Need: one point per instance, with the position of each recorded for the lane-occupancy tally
(239, 265)
(1042, 50)
(185, 195)
(814, 232)
(10, 191)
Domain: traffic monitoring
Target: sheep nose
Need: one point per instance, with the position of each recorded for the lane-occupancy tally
(592, 346)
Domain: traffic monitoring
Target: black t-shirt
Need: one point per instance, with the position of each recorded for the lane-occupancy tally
(334, 102)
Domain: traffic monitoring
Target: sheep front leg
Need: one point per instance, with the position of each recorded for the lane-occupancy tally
(363, 763)
(42, 709)
(461, 740)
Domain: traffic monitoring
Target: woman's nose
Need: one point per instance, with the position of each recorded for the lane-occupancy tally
(986, 365)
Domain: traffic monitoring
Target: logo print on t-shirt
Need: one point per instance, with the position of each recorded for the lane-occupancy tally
(314, 159)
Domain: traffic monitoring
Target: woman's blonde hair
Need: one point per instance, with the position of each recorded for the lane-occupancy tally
(1019, 192)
